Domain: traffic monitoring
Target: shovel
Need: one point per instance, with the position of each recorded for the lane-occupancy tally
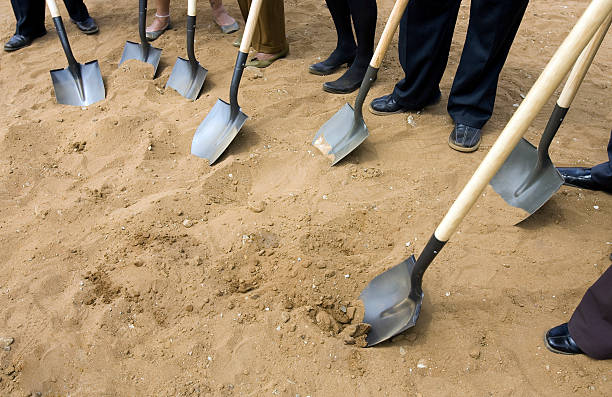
(341, 134)
(528, 178)
(187, 76)
(78, 84)
(144, 51)
(393, 299)
(224, 121)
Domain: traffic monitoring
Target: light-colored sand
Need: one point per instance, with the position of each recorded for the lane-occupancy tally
(106, 292)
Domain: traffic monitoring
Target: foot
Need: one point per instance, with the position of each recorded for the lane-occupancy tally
(263, 60)
(581, 177)
(464, 138)
(387, 104)
(558, 340)
(332, 63)
(224, 20)
(158, 27)
(348, 82)
(19, 41)
(87, 26)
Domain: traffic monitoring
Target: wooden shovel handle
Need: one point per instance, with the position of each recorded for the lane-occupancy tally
(53, 8)
(191, 8)
(582, 65)
(249, 28)
(543, 88)
(388, 32)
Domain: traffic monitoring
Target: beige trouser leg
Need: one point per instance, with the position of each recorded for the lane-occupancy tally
(269, 34)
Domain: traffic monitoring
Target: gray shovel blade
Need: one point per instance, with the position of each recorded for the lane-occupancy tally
(136, 51)
(515, 183)
(341, 134)
(185, 81)
(217, 131)
(390, 307)
(70, 91)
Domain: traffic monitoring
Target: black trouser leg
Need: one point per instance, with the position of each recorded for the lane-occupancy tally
(30, 16)
(591, 323)
(364, 13)
(493, 26)
(77, 10)
(341, 15)
(602, 173)
(426, 32)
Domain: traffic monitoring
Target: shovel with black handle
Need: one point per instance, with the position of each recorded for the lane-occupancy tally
(528, 178)
(78, 84)
(393, 299)
(188, 76)
(346, 130)
(144, 51)
(222, 124)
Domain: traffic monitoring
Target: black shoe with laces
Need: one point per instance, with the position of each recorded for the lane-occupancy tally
(464, 138)
(18, 41)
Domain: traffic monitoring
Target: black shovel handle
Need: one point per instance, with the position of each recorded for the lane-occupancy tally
(61, 32)
(191, 23)
(554, 122)
(366, 83)
(236, 77)
(432, 249)
(142, 27)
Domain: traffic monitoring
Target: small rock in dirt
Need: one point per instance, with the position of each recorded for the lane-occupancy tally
(138, 263)
(187, 223)
(422, 363)
(402, 351)
(350, 313)
(257, 206)
(6, 341)
(475, 353)
(349, 340)
(189, 308)
(9, 370)
(356, 330)
(285, 317)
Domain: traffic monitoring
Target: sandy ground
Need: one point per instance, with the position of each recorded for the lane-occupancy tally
(129, 267)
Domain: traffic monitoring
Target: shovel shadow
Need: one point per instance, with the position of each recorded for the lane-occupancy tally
(547, 214)
(245, 140)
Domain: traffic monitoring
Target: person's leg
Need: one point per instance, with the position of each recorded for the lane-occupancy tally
(162, 20)
(492, 28)
(602, 173)
(77, 10)
(345, 46)
(363, 13)
(426, 32)
(222, 18)
(30, 16)
(269, 39)
(591, 323)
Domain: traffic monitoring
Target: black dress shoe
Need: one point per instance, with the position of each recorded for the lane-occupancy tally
(87, 26)
(348, 82)
(333, 63)
(558, 340)
(464, 138)
(387, 104)
(581, 177)
(19, 41)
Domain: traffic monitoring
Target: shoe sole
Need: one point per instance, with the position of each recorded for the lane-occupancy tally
(552, 349)
(379, 113)
(267, 62)
(332, 91)
(10, 49)
(463, 148)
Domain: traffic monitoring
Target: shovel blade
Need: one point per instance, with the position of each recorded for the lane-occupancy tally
(341, 134)
(185, 80)
(391, 306)
(518, 186)
(70, 91)
(138, 51)
(217, 131)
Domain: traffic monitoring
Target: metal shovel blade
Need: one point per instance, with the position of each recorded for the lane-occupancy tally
(519, 186)
(187, 80)
(390, 304)
(217, 131)
(341, 134)
(71, 90)
(137, 51)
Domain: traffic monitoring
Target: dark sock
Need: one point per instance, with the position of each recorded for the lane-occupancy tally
(345, 47)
